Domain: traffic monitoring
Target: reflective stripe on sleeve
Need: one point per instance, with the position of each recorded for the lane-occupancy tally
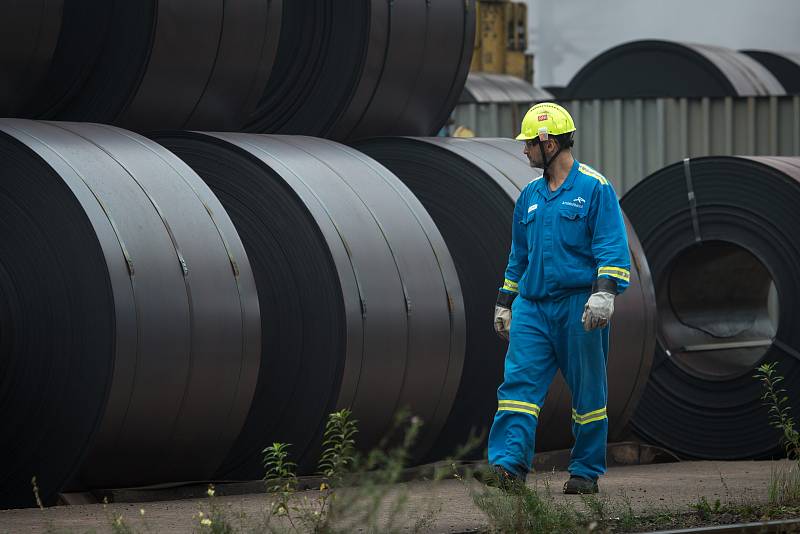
(510, 285)
(616, 272)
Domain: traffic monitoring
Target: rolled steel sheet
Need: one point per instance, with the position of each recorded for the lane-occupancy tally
(785, 66)
(81, 42)
(167, 64)
(130, 321)
(368, 67)
(469, 187)
(28, 35)
(247, 47)
(483, 87)
(423, 70)
(652, 68)
(207, 59)
(720, 234)
(332, 69)
(556, 90)
(361, 305)
(99, 62)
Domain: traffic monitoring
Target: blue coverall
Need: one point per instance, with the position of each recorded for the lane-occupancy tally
(561, 242)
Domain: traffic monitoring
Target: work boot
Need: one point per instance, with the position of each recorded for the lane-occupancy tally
(498, 477)
(580, 485)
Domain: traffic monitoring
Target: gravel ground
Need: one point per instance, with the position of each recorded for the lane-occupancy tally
(673, 486)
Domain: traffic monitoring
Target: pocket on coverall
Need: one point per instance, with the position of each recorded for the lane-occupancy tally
(572, 227)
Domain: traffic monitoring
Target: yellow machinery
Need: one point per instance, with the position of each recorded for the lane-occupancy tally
(501, 39)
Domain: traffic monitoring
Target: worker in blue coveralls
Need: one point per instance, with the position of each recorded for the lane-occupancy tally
(569, 259)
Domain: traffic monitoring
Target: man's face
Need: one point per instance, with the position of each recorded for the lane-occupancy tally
(534, 153)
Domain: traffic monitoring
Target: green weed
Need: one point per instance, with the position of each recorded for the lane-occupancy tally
(784, 484)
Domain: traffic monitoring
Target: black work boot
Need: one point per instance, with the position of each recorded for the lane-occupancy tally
(579, 486)
(498, 477)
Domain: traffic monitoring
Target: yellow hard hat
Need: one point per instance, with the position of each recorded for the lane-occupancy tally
(546, 119)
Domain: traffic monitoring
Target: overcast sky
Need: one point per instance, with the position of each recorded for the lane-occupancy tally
(565, 34)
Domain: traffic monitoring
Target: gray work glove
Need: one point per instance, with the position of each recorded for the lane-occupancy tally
(502, 313)
(502, 321)
(598, 310)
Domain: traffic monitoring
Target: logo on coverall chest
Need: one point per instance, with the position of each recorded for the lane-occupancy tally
(576, 202)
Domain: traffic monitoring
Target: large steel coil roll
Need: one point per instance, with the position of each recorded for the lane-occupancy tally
(129, 322)
(469, 187)
(721, 237)
(368, 67)
(361, 305)
(341, 70)
(28, 35)
(165, 64)
(785, 66)
(653, 68)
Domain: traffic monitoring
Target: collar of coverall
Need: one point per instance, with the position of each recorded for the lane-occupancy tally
(544, 189)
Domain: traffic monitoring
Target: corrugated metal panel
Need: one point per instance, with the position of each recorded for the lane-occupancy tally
(628, 139)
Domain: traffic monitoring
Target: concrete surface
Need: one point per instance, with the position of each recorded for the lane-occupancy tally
(674, 486)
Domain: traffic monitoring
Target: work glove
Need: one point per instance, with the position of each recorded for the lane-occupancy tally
(502, 314)
(598, 310)
(502, 321)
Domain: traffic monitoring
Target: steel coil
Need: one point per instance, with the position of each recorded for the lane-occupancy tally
(651, 68)
(482, 87)
(28, 35)
(720, 234)
(469, 187)
(361, 305)
(785, 66)
(168, 64)
(130, 322)
(332, 69)
(368, 67)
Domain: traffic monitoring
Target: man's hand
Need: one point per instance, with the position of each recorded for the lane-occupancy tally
(502, 321)
(598, 310)
(502, 313)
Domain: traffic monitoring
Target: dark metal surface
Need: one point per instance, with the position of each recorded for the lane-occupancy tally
(469, 27)
(368, 68)
(429, 45)
(469, 187)
(762, 527)
(368, 312)
(100, 59)
(725, 302)
(248, 43)
(183, 49)
(28, 35)
(318, 64)
(651, 68)
(785, 66)
(167, 64)
(207, 62)
(175, 375)
(325, 68)
(78, 54)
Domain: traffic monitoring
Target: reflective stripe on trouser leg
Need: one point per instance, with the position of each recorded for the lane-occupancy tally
(582, 357)
(529, 368)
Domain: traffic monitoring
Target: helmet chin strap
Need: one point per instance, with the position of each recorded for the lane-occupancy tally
(545, 162)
